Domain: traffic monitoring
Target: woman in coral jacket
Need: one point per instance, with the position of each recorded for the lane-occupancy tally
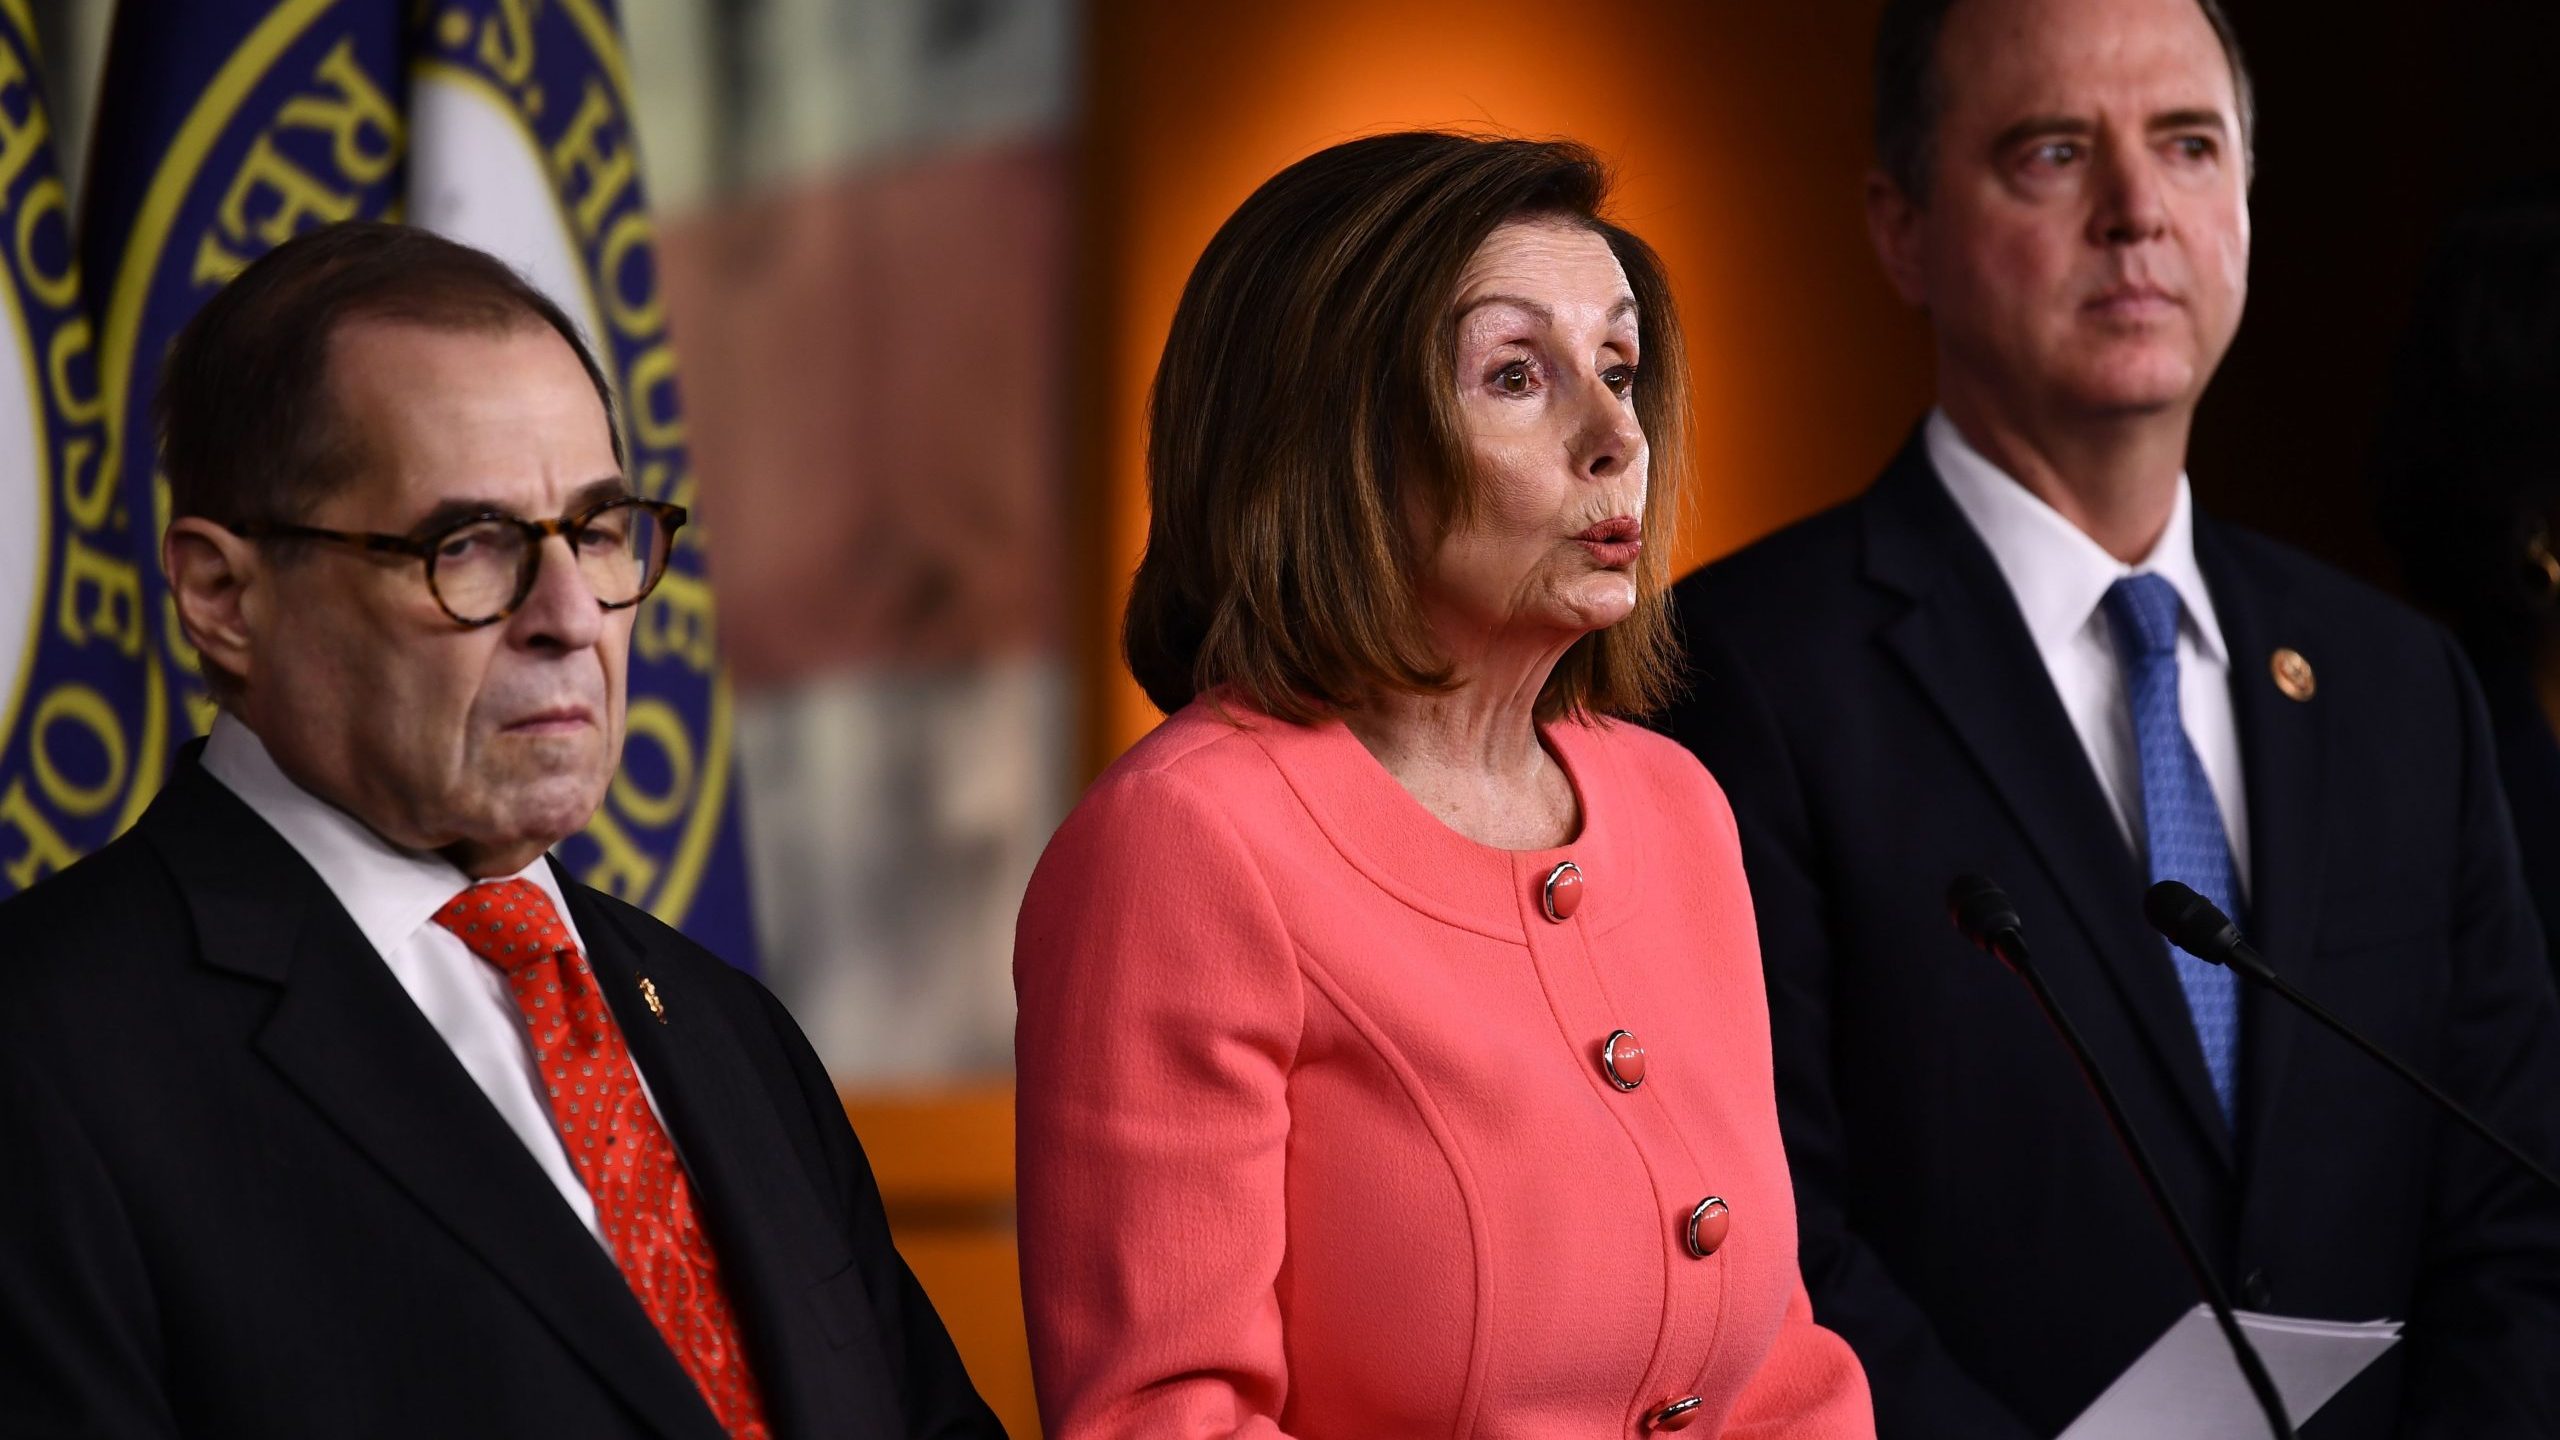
(1394, 1059)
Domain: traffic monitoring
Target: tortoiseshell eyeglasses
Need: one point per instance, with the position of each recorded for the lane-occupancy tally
(481, 567)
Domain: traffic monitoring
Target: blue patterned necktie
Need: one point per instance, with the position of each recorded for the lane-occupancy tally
(2184, 824)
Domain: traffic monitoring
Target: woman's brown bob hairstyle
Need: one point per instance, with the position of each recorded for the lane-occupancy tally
(1307, 397)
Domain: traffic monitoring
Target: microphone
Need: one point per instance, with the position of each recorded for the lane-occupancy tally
(1984, 915)
(2198, 926)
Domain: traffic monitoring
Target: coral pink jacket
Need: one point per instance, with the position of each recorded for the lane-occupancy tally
(1317, 1135)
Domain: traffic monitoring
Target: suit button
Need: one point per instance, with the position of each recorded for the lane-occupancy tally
(1563, 893)
(1677, 1415)
(2255, 1292)
(1708, 1225)
(1622, 1056)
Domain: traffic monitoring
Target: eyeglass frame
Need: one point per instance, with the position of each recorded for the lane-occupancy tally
(423, 547)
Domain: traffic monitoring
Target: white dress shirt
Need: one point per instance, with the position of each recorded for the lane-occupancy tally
(393, 894)
(2059, 576)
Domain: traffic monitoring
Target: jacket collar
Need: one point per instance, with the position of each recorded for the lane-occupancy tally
(1387, 835)
(2056, 573)
(2284, 748)
(1965, 643)
(352, 1044)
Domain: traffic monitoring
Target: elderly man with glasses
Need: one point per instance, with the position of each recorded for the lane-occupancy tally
(328, 1105)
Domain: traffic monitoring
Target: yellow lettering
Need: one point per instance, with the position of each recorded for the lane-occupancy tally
(299, 197)
(21, 138)
(676, 620)
(214, 265)
(622, 869)
(57, 291)
(651, 394)
(90, 502)
(655, 719)
(76, 702)
(630, 235)
(117, 584)
(360, 106)
(506, 43)
(71, 341)
(46, 851)
(580, 147)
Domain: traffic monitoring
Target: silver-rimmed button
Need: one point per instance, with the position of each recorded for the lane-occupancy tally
(1563, 893)
(1677, 1415)
(1708, 1225)
(1622, 1059)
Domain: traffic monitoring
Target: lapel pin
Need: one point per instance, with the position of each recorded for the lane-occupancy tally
(649, 993)
(2293, 673)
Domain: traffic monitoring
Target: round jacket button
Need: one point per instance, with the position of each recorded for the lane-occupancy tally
(1622, 1056)
(1708, 1225)
(1677, 1415)
(1563, 893)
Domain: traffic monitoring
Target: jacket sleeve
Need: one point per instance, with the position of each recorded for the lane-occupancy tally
(2486, 1322)
(1159, 1017)
(79, 1329)
(934, 1392)
(1920, 1391)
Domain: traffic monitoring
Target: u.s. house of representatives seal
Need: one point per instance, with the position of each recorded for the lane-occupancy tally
(75, 656)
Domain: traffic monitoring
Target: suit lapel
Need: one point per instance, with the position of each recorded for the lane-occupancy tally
(1967, 646)
(348, 1038)
(2282, 749)
(773, 1239)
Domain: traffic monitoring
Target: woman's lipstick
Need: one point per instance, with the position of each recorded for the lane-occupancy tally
(1614, 542)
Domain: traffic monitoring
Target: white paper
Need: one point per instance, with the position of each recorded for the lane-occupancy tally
(2189, 1385)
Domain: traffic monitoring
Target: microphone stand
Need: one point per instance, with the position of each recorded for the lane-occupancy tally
(2001, 937)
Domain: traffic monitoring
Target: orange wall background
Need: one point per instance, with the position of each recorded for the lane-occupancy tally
(1738, 131)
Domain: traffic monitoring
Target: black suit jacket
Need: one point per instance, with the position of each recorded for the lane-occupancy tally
(245, 1188)
(1868, 693)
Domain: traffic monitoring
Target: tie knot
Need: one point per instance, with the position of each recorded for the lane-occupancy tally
(2143, 611)
(509, 923)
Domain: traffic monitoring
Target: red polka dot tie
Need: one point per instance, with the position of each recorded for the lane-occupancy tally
(621, 1152)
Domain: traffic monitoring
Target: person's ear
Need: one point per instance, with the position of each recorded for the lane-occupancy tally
(1894, 228)
(218, 582)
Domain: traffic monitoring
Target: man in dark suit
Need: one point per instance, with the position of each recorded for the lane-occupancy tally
(2024, 653)
(328, 1106)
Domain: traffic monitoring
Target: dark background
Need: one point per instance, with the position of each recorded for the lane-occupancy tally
(2376, 124)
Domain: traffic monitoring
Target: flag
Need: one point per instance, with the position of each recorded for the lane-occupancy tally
(228, 126)
(78, 754)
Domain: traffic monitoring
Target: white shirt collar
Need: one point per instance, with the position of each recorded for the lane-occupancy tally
(388, 891)
(2058, 574)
